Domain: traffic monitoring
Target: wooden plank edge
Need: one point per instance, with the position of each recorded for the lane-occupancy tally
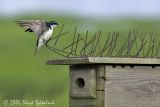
(103, 60)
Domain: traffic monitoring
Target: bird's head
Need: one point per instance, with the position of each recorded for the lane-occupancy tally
(51, 24)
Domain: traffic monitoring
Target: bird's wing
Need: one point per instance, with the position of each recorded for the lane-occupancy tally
(37, 26)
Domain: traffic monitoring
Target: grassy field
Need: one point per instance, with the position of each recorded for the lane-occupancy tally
(25, 77)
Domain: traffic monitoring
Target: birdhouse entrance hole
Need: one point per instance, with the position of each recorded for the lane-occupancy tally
(80, 82)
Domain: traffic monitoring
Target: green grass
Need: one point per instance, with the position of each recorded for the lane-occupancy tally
(23, 76)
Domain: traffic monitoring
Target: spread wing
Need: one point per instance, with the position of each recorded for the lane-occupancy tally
(37, 26)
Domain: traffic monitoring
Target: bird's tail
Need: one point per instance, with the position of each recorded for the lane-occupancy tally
(35, 52)
(38, 45)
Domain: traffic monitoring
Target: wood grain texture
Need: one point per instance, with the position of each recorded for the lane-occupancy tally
(137, 86)
(100, 77)
(92, 94)
(75, 102)
(103, 60)
(100, 87)
(88, 74)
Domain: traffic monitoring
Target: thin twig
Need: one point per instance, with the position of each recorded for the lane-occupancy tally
(73, 39)
(77, 43)
(52, 49)
(150, 43)
(84, 47)
(89, 42)
(104, 47)
(121, 50)
(157, 50)
(55, 51)
(93, 44)
(96, 45)
(59, 34)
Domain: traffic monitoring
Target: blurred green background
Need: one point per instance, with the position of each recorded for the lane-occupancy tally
(23, 76)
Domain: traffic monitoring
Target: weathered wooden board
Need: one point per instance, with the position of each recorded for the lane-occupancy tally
(83, 81)
(137, 86)
(103, 60)
(89, 91)
(83, 102)
(113, 82)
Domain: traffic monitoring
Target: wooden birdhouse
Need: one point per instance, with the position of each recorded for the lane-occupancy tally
(113, 82)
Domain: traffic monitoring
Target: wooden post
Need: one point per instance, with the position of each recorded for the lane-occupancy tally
(113, 82)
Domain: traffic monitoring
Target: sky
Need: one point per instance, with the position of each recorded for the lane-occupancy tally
(94, 8)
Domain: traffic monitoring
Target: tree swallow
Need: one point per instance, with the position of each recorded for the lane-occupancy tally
(42, 29)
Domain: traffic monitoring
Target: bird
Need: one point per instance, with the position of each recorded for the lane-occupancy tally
(42, 29)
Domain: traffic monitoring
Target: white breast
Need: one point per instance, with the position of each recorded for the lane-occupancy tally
(46, 35)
